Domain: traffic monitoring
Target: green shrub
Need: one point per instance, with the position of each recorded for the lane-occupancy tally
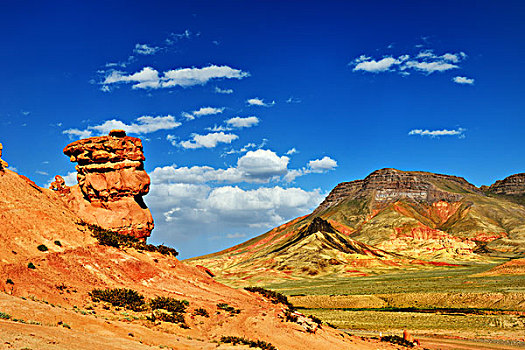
(9, 281)
(117, 240)
(4, 316)
(395, 339)
(290, 317)
(42, 248)
(120, 297)
(58, 243)
(315, 319)
(169, 304)
(251, 343)
(201, 312)
(274, 297)
(230, 309)
(168, 317)
(31, 266)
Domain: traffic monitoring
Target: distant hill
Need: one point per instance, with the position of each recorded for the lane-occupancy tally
(392, 219)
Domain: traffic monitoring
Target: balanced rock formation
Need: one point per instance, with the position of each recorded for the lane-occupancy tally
(111, 184)
(3, 164)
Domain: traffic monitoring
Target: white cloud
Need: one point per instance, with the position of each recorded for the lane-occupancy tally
(246, 122)
(149, 78)
(77, 133)
(376, 66)
(262, 164)
(189, 206)
(202, 111)
(145, 49)
(293, 100)
(143, 125)
(430, 67)
(322, 165)
(259, 166)
(291, 151)
(235, 235)
(259, 102)
(210, 140)
(217, 128)
(425, 61)
(460, 132)
(463, 80)
(41, 172)
(218, 90)
(314, 166)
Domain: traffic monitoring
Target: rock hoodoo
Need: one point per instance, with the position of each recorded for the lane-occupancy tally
(3, 164)
(111, 183)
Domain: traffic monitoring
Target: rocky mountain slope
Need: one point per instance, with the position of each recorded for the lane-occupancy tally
(50, 263)
(415, 219)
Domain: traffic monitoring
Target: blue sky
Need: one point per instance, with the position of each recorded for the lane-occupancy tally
(251, 112)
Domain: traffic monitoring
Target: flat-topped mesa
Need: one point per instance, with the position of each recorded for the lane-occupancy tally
(389, 185)
(111, 183)
(513, 185)
(3, 164)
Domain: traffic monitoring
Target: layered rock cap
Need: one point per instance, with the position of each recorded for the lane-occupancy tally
(513, 185)
(389, 185)
(111, 183)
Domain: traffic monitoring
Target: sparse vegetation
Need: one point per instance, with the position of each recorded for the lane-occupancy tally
(315, 319)
(395, 339)
(117, 240)
(42, 248)
(233, 311)
(201, 312)
(58, 243)
(9, 281)
(168, 309)
(251, 343)
(271, 295)
(31, 266)
(4, 316)
(121, 297)
(169, 304)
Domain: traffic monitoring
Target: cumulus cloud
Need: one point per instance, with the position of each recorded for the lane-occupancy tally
(218, 90)
(460, 132)
(210, 140)
(145, 49)
(188, 206)
(376, 66)
(259, 166)
(239, 122)
(463, 80)
(292, 151)
(314, 166)
(322, 165)
(149, 78)
(425, 61)
(259, 102)
(143, 125)
(202, 111)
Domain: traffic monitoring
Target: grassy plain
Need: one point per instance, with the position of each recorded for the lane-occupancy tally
(461, 279)
(446, 300)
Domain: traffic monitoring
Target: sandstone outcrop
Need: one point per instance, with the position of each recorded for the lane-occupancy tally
(513, 185)
(111, 184)
(389, 185)
(3, 164)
